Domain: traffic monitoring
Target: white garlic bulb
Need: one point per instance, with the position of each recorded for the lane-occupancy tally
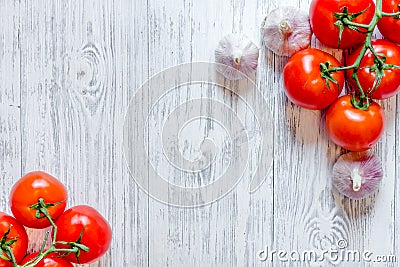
(357, 174)
(286, 30)
(238, 56)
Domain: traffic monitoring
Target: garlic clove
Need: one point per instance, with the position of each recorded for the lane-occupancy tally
(239, 56)
(357, 174)
(286, 30)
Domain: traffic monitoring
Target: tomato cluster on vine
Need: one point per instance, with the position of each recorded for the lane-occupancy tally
(38, 200)
(314, 79)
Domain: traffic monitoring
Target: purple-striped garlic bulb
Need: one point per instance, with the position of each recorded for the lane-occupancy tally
(357, 174)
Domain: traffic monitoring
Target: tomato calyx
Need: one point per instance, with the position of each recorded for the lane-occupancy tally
(76, 246)
(327, 74)
(379, 68)
(345, 20)
(41, 208)
(42, 212)
(362, 103)
(5, 246)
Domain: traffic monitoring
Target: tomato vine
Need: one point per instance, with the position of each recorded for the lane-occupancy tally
(38, 200)
(42, 212)
(344, 19)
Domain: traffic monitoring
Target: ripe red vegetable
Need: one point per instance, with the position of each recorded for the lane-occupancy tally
(390, 83)
(304, 85)
(17, 235)
(51, 260)
(28, 190)
(389, 26)
(354, 129)
(323, 21)
(95, 230)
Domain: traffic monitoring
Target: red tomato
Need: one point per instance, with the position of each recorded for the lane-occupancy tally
(96, 232)
(304, 85)
(322, 21)
(389, 26)
(27, 191)
(51, 260)
(352, 128)
(390, 83)
(18, 233)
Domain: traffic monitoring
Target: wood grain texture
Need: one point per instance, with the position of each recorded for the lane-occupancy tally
(10, 102)
(67, 72)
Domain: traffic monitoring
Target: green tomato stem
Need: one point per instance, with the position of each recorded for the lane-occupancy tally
(335, 69)
(384, 14)
(52, 249)
(391, 66)
(10, 254)
(43, 210)
(364, 101)
(355, 24)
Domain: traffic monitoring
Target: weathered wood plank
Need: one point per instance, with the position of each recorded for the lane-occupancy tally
(10, 130)
(10, 150)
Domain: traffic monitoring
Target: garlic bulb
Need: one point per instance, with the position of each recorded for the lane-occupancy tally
(286, 30)
(357, 174)
(239, 56)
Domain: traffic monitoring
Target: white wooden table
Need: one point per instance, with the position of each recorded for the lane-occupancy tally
(68, 70)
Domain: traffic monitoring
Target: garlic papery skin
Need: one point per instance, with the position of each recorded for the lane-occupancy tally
(286, 30)
(357, 174)
(238, 56)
